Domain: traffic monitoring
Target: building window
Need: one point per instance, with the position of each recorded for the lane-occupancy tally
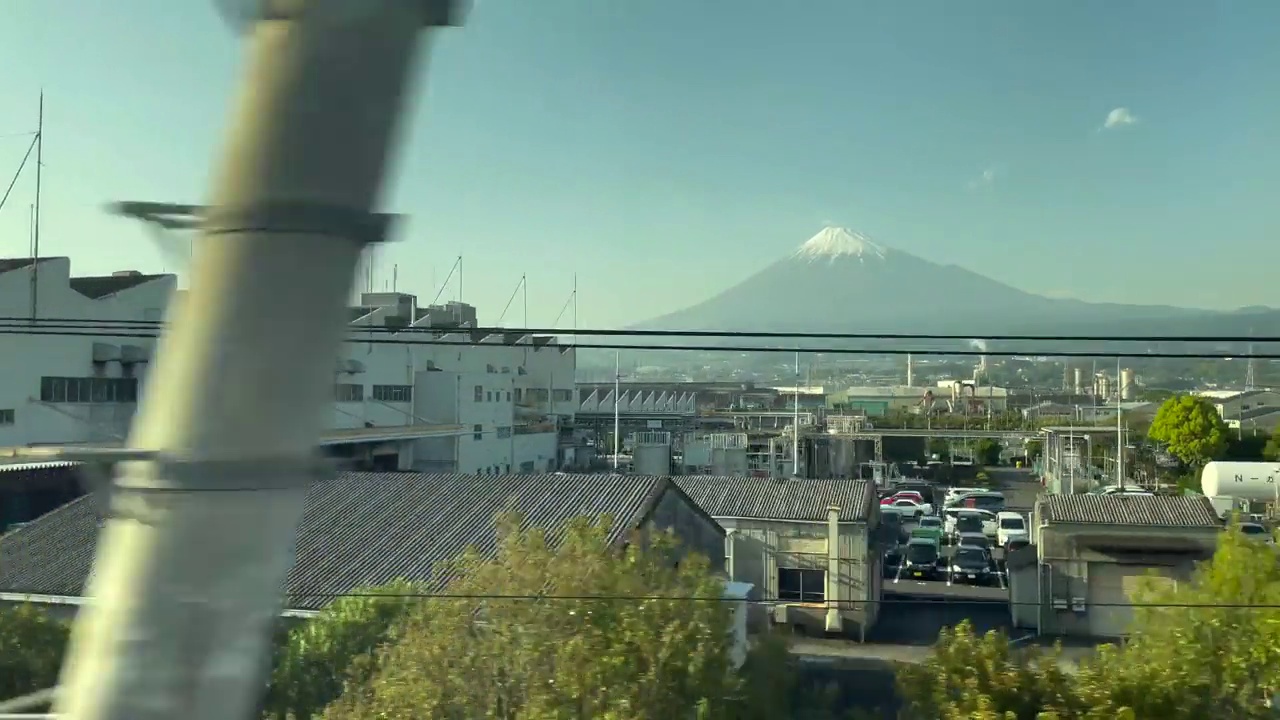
(348, 392)
(479, 393)
(526, 467)
(808, 586)
(508, 396)
(7, 416)
(477, 432)
(88, 390)
(563, 395)
(490, 398)
(393, 393)
(518, 398)
(504, 432)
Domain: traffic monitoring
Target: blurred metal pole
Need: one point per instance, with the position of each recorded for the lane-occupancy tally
(190, 565)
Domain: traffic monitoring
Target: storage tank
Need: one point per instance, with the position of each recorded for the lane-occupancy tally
(651, 453)
(1128, 384)
(1078, 384)
(1255, 481)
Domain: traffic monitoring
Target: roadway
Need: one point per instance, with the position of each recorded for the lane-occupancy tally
(916, 610)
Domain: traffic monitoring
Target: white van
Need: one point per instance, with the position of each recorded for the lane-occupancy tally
(1011, 526)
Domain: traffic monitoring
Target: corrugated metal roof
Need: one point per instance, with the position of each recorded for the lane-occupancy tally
(48, 464)
(1141, 510)
(359, 528)
(778, 498)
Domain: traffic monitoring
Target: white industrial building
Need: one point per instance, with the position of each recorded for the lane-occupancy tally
(60, 388)
(503, 405)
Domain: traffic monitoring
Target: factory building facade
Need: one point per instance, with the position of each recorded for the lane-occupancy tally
(503, 404)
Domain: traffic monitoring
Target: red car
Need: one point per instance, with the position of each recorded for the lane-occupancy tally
(903, 495)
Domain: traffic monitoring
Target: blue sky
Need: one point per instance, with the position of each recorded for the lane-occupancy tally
(664, 149)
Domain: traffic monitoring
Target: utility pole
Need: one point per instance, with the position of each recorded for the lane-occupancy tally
(795, 425)
(617, 408)
(1119, 425)
(190, 564)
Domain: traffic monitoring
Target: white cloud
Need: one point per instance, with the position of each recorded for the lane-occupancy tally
(1119, 118)
(989, 175)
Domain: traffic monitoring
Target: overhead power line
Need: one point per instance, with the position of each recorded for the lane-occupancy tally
(77, 323)
(790, 349)
(906, 599)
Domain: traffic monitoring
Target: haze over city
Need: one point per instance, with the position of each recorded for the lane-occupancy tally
(663, 151)
(915, 360)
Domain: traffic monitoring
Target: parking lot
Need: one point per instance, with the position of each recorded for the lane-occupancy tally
(1020, 490)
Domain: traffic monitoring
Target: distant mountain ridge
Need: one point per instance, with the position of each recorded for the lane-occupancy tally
(842, 281)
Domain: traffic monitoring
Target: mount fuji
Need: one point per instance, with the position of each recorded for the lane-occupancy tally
(842, 281)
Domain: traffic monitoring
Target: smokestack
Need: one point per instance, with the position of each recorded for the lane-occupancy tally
(1078, 386)
(910, 371)
(833, 620)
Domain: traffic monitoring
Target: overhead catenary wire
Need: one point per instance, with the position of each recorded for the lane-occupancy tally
(615, 332)
(789, 349)
(908, 598)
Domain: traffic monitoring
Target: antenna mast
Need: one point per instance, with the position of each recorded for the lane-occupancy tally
(35, 232)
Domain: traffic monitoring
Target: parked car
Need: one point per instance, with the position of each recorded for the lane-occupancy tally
(1257, 531)
(961, 520)
(907, 508)
(971, 565)
(1126, 490)
(1010, 526)
(956, 492)
(920, 560)
(892, 562)
(1015, 544)
(930, 526)
(892, 532)
(982, 500)
(973, 539)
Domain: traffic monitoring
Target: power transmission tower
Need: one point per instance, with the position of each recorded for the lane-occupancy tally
(187, 580)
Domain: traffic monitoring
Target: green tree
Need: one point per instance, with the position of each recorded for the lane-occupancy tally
(498, 647)
(1209, 647)
(1191, 428)
(314, 659)
(971, 676)
(1205, 648)
(1271, 451)
(987, 452)
(1035, 448)
(31, 648)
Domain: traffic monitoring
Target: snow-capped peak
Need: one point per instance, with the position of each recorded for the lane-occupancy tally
(834, 242)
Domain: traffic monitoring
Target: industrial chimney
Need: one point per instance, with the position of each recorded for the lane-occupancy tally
(910, 371)
(1078, 384)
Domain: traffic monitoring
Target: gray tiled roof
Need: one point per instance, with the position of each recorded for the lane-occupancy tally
(1142, 510)
(359, 528)
(778, 498)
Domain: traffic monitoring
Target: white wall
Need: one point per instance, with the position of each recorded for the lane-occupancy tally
(543, 378)
(520, 385)
(26, 358)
